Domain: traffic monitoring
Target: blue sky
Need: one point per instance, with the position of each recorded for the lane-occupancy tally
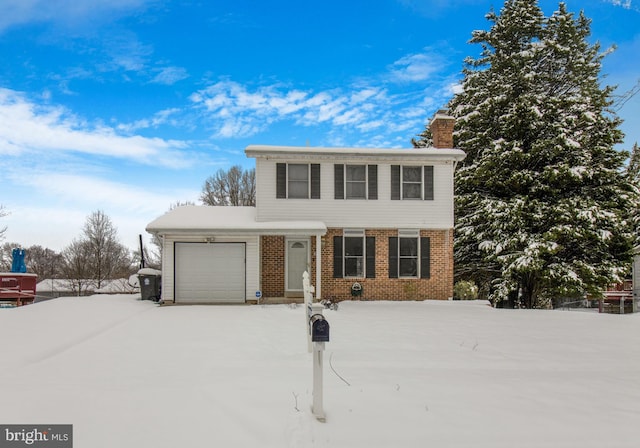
(127, 106)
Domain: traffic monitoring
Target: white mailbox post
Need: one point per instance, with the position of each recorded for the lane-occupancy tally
(317, 329)
(319, 332)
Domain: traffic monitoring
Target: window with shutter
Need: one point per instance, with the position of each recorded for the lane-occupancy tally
(412, 182)
(354, 255)
(355, 181)
(409, 255)
(298, 180)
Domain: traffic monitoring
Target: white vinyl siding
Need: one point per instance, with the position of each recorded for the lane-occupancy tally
(380, 213)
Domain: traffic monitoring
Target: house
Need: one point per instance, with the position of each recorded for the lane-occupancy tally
(372, 224)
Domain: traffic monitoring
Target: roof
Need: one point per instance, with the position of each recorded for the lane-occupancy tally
(411, 154)
(204, 219)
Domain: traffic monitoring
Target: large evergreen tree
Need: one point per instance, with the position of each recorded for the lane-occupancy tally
(633, 176)
(541, 197)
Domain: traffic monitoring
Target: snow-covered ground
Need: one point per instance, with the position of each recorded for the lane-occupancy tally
(131, 374)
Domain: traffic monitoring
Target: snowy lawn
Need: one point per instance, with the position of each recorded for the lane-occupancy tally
(131, 374)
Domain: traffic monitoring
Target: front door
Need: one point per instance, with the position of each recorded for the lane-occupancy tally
(297, 263)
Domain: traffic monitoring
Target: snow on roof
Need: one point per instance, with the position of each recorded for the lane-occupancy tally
(117, 286)
(55, 284)
(228, 220)
(425, 154)
(113, 286)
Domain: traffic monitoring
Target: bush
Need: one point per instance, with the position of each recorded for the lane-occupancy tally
(465, 290)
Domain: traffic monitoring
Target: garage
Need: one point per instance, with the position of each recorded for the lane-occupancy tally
(210, 272)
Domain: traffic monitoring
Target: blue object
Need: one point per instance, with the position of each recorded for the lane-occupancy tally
(17, 264)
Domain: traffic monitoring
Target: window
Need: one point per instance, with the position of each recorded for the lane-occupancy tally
(354, 255)
(411, 182)
(356, 181)
(409, 255)
(298, 180)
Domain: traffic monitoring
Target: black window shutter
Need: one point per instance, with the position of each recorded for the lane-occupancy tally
(371, 257)
(428, 183)
(425, 257)
(338, 176)
(337, 257)
(393, 257)
(281, 180)
(315, 181)
(395, 182)
(373, 181)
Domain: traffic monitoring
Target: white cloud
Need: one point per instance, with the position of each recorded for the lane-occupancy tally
(437, 8)
(125, 52)
(170, 75)
(62, 201)
(20, 12)
(417, 67)
(86, 190)
(158, 119)
(626, 4)
(410, 90)
(29, 127)
(237, 111)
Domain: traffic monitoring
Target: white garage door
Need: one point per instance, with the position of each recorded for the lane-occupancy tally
(210, 272)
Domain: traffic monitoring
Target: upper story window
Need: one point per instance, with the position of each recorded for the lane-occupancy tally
(356, 181)
(298, 180)
(411, 182)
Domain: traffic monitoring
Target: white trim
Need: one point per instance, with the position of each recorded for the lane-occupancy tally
(318, 267)
(367, 154)
(408, 233)
(288, 240)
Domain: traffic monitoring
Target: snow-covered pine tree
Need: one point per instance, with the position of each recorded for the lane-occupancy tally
(541, 197)
(633, 176)
(633, 169)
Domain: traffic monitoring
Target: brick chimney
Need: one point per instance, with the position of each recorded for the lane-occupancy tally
(442, 129)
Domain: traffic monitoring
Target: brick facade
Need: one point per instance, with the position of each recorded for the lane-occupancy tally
(439, 286)
(272, 263)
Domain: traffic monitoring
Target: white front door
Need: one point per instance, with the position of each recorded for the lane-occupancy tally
(297, 262)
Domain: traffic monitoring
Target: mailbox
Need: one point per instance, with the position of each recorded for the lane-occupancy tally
(319, 328)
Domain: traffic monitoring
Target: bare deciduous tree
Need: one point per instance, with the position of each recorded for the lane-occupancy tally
(3, 213)
(44, 262)
(77, 265)
(234, 187)
(6, 256)
(97, 255)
